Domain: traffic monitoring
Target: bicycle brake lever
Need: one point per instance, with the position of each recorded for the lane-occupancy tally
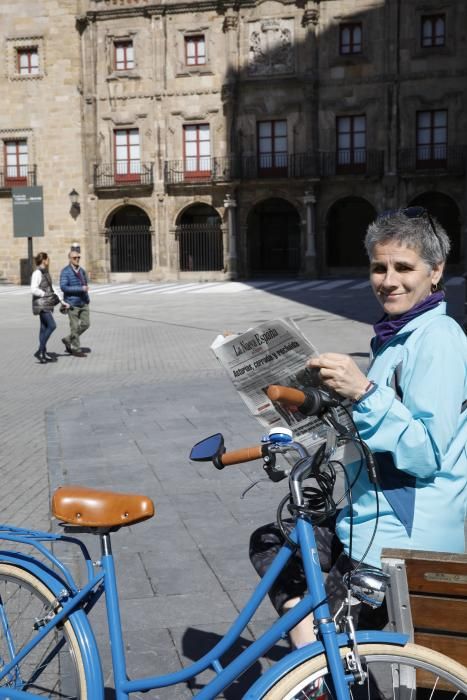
(269, 466)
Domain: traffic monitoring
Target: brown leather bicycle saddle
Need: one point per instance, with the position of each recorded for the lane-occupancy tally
(78, 505)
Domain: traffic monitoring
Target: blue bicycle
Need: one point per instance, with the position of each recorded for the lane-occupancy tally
(48, 648)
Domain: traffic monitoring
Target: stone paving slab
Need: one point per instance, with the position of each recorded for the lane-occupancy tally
(198, 508)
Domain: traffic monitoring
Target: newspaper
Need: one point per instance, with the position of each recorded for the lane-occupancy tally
(275, 353)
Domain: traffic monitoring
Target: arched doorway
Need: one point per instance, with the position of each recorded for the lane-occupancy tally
(129, 232)
(274, 237)
(446, 211)
(346, 225)
(200, 239)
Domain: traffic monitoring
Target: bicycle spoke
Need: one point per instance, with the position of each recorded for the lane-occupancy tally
(50, 667)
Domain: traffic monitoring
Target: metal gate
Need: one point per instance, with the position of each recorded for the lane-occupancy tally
(130, 248)
(201, 247)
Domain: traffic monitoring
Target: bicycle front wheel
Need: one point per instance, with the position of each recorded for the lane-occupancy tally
(393, 673)
(54, 668)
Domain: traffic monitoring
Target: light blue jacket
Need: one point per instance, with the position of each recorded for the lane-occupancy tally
(419, 439)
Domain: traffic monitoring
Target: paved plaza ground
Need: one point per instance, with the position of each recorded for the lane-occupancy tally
(125, 418)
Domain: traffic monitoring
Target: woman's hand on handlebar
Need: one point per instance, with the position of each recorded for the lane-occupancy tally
(340, 372)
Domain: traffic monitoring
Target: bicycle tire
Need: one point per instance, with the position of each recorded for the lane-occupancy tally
(448, 678)
(54, 668)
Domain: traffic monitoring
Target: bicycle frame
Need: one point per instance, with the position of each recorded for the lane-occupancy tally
(105, 581)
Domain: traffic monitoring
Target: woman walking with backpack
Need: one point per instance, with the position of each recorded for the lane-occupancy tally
(44, 299)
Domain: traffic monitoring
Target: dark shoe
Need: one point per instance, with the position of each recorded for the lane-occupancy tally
(67, 345)
(49, 357)
(78, 353)
(41, 357)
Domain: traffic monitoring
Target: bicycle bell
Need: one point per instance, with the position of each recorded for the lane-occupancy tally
(279, 435)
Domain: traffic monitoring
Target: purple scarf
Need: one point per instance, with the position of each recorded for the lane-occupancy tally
(387, 327)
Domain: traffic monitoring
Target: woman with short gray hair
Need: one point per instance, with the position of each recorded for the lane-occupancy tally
(409, 408)
(414, 228)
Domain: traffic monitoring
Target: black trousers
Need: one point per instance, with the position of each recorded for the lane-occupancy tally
(265, 543)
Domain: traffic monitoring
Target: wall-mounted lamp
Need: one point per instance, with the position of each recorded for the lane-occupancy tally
(75, 208)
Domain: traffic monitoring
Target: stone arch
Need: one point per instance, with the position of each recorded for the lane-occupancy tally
(129, 231)
(346, 225)
(445, 210)
(199, 233)
(273, 235)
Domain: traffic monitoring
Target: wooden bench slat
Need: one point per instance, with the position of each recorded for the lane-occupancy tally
(443, 577)
(433, 572)
(438, 613)
(408, 554)
(452, 646)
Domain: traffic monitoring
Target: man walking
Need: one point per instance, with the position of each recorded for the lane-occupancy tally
(74, 285)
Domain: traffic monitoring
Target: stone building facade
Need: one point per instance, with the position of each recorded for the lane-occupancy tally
(40, 125)
(210, 140)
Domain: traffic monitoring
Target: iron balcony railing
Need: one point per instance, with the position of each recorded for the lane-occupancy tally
(22, 176)
(213, 169)
(277, 165)
(133, 173)
(208, 169)
(352, 161)
(450, 159)
(203, 169)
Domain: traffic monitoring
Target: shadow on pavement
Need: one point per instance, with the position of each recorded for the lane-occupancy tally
(196, 643)
(355, 304)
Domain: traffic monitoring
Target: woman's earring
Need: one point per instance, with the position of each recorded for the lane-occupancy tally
(434, 287)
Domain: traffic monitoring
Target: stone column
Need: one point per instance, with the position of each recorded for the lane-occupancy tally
(228, 91)
(310, 253)
(173, 253)
(310, 23)
(230, 27)
(230, 204)
(310, 16)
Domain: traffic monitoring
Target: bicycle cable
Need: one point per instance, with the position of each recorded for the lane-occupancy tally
(319, 504)
(372, 474)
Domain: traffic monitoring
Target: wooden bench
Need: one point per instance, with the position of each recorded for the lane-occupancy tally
(427, 599)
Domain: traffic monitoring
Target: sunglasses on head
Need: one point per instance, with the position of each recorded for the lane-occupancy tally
(412, 213)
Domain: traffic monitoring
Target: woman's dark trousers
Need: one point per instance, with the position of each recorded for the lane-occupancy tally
(47, 327)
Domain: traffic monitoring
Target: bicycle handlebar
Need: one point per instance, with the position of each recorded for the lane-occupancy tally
(286, 395)
(310, 402)
(246, 454)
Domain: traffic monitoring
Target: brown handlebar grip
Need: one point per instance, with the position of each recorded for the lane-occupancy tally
(286, 395)
(246, 454)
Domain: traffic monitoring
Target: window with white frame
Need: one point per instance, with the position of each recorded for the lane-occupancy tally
(433, 30)
(272, 146)
(16, 162)
(124, 55)
(195, 50)
(127, 155)
(351, 142)
(28, 60)
(350, 38)
(432, 137)
(197, 149)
